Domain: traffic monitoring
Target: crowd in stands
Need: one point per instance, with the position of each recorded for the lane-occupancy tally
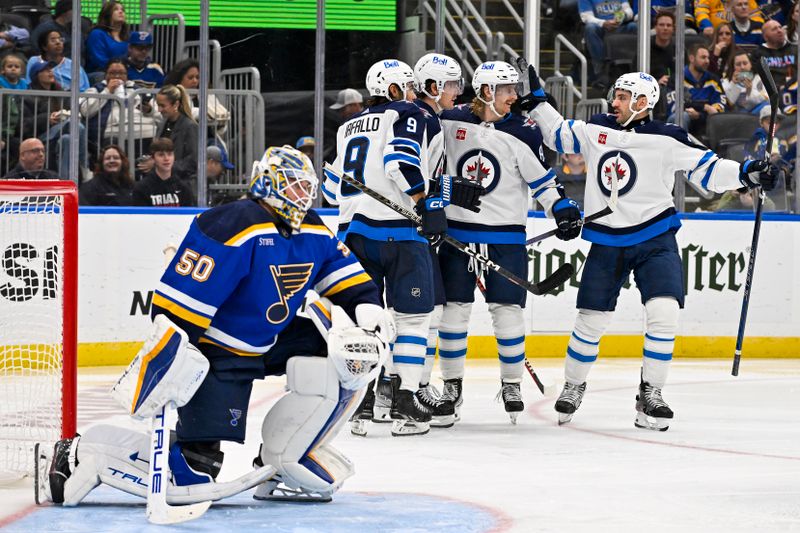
(116, 64)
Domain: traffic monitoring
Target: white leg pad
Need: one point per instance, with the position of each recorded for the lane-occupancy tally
(453, 339)
(509, 330)
(584, 344)
(297, 430)
(659, 339)
(430, 350)
(408, 354)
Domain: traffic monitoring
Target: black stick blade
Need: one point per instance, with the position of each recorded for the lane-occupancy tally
(560, 276)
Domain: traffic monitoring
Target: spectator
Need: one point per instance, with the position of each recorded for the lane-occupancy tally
(141, 69)
(217, 167)
(104, 121)
(60, 22)
(740, 201)
(746, 29)
(601, 17)
(31, 163)
(177, 125)
(161, 188)
(187, 74)
(306, 145)
(792, 26)
(744, 90)
(11, 67)
(670, 6)
(721, 49)
(52, 45)
(112, 183)
(662, 48)
(756, 147)
(109, 38)
(13, 37)
(572, 176)
(777, 50)
(789, 99)
(348, 103)
(705, 95)
(711, 13)
(46, 117)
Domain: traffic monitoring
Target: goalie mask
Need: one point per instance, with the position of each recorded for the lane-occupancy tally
(386, 73)
(285, 180)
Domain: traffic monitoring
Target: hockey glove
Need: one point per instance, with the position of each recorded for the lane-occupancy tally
(463, 192)
(537, 95)
(756, 172)
(434, 222)
(568, 219)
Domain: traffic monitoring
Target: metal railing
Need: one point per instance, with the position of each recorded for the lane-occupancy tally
(169, 34)
(592, 106)
(241, 79)
(191, 49)
(561, 40)
(562, 90)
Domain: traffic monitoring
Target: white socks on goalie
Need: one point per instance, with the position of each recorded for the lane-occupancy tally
(659, 341)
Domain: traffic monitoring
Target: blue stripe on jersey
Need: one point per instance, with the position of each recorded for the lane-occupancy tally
(576, 146)
(406, 142)
(326, 192)
(419, 187)
(584, 341)
(703, 160)
(659, 339)
(541, 181)
(559, 147)
(580, 357)
(386, 233)
(659, 356)
(511, 342)
(541, 191)
(452, 336)
(330, 175)
(405, 158)
(488, 237)
(707, 177)
(629, 239)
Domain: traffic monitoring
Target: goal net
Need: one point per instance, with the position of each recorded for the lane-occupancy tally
(38, 317)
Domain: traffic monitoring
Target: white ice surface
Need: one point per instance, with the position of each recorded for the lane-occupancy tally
(729, 462)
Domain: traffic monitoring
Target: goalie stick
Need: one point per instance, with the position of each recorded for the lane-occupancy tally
(561, 275)
(772, 92)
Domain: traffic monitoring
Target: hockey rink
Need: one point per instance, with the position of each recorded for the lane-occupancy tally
(729, 462)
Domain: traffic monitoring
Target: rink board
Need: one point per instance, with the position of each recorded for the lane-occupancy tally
(121, 260)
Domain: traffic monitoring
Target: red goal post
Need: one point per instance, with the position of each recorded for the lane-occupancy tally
(38, 318)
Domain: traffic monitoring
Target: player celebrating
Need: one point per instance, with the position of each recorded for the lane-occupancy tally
(227, 306)
(438, 84)
(501, 151)
(639, 235)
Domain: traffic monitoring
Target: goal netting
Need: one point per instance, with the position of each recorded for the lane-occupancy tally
(38, 286)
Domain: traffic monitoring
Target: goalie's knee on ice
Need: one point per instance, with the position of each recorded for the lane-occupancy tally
(297, 429)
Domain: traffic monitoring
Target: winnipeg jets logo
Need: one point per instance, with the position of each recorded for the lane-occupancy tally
(481, 167)
(289, 280)
(619, 166)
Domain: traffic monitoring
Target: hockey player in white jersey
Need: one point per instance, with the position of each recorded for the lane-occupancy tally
(502, 151)
(438, 83)
(642, 155)
(383, 148)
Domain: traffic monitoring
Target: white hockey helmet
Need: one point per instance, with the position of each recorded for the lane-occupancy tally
(439, 68)
(386, 72)
(284, 178)
(639, 84)
(493, 73)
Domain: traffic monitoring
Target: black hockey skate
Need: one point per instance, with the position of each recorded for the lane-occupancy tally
(363, 414)
(453, 391)
(409, 415)
(569, 401)
(383, 398)
(52, 471)
(443, 412)
(652, 412)
(512, 399)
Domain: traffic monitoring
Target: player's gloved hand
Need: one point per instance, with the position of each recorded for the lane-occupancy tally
(463, 192)
(433, 225)
(568, 219)
(537, 95)
(757, 172)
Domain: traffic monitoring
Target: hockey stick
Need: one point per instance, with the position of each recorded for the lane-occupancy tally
(546, 390)
(158, 510)
(543, 287)
(772, 92)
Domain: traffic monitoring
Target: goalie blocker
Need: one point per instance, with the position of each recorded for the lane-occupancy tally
(324, 387)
